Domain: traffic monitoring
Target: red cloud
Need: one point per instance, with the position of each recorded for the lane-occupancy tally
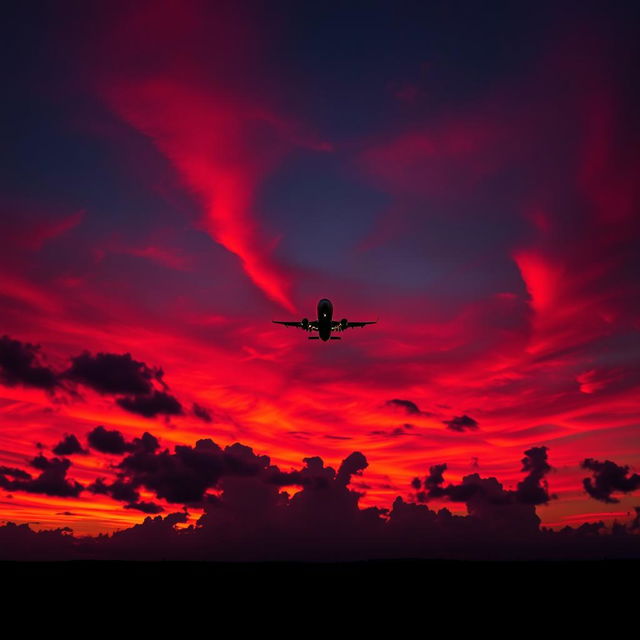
(222, 148)
(221, 134)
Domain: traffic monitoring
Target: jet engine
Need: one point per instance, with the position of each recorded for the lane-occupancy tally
(305, 324)
(343, 324)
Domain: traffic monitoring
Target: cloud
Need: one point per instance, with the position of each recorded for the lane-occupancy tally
(354, 464)
(396, 432)
(158, 402)
(462, 423)
(533, 489)
(202, 413)
(608, 478)
(12, 472)
(110, 373)
(145, 507)
(105, 373)
(20, 542)
(251, 518)
(410, 407)
(19, 365)
(121, 490)
(487, 497)
(68, 446)
(107, 441)
(223, 138)
(52, 480)
(185, 475)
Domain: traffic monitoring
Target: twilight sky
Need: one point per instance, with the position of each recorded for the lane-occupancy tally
(177, 174)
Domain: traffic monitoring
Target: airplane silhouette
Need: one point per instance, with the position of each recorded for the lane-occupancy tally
(324, 325)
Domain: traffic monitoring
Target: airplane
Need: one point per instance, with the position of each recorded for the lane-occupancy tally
(324, 325)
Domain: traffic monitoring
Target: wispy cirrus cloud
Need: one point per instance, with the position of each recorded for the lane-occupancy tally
(222, 135)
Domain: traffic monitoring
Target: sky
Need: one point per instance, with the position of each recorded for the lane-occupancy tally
(175, 175)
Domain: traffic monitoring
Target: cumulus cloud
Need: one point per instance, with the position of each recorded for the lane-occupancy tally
(488, 501)
(68, 446)
(111, 373)
(608, 478)
(250, 517)
(120, 489)
(14, 473)
(139, 388)
(410, 407)
(145, 507)
(534, 489)
(149, 406)
(52, 480)
(108, 441)
(134, 381)
(461, 423)
(20, 365)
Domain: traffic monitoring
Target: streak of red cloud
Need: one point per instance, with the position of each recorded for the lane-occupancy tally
(22, 290)
(436, 157)
(34, 236)
(540, 277)
(162, 256)
(211, 144)
(223, 140)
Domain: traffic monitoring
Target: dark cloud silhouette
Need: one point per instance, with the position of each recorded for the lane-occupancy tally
(432, 483)
(201, 412)
(410, 407)
(113, 442)
(404, 430)
(107, 373)
(461, 423)
(147, 442)
(250, 517)
(149, 406)
(134, 381)
(353, 464)
(533, 489)
(52, 480)
(145, 507)
(20, 365)
(20, 542)
(486, 498)
(68, 446)
(110, 373)
(108, 441)
(608, 478)
(120, 490)
(185, 475)
(14, 473)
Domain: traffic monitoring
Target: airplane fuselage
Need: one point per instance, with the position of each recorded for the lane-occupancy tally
(325, 315)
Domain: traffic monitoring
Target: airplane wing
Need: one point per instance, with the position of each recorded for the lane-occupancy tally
(311, 325)
(341, 326)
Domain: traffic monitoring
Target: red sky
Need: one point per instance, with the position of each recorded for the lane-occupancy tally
(179, 176)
